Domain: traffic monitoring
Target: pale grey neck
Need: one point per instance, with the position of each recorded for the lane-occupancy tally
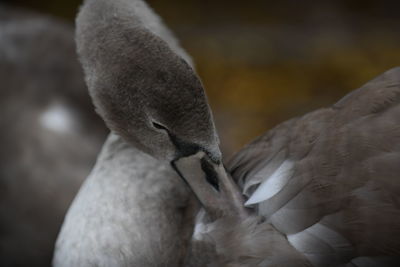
(125, 214)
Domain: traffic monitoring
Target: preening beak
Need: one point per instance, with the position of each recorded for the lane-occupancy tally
(212, 185)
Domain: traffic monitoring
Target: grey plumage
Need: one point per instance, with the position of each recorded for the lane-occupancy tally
(345, 174)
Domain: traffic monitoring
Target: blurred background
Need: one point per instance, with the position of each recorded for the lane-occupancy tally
(263, 62)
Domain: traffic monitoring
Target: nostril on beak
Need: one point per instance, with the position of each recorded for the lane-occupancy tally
(211, 174)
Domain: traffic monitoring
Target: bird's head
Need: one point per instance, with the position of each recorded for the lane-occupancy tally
(145, 92)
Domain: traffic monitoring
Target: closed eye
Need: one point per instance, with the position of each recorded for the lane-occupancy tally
(159, 126)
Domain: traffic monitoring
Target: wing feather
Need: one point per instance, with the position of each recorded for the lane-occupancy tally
(344, 174)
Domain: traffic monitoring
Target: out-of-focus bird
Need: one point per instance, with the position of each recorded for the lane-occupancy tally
(50, 134)
(321, 189)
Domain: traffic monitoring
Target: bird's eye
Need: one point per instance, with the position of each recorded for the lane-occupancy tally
(159, 126)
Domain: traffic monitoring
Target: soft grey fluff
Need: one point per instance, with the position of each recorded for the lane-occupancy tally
(133, 210)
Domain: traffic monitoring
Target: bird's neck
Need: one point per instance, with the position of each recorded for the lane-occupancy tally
(132, 204)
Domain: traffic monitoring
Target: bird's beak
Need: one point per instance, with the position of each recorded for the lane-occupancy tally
(212, 185)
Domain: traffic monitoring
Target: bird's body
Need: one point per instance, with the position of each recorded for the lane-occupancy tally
(322, 189)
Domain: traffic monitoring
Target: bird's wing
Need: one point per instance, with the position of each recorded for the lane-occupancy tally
(330, 180)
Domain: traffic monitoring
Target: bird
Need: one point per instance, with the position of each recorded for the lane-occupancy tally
(133, 209)
(51, 134)
(318, 190)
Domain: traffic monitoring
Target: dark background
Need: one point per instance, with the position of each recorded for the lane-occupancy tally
(263, 62)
